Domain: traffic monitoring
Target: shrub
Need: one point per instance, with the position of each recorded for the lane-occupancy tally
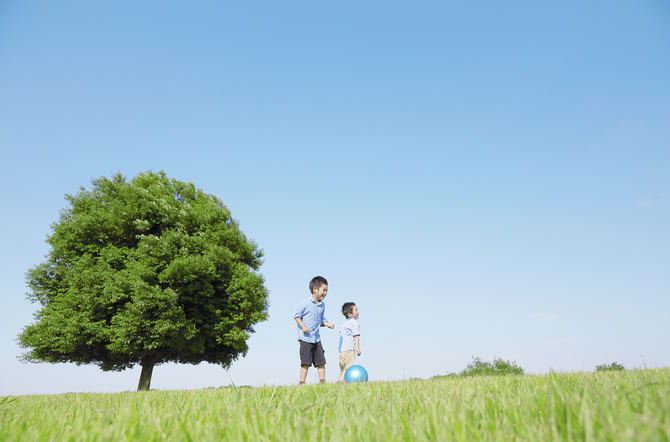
(497, 367)
(477, 367)
(614, 366)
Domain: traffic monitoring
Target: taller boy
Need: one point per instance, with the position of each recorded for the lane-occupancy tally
(310, 316)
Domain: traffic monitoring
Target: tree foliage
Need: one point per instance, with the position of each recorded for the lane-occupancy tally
(478, 367)
(614, 366)
(495, 368)
(145, 272)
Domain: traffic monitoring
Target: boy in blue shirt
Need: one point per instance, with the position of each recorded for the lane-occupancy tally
(349, 338)
(310, 316)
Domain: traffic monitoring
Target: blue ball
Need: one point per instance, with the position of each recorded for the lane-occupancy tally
(355, 373)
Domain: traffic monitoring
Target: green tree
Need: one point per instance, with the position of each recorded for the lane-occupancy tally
(614, 366)
(495, 368)
(144, 272)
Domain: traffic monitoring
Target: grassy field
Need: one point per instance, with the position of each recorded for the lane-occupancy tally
(627, 405)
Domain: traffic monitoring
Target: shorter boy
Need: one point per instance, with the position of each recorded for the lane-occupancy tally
(349, 338)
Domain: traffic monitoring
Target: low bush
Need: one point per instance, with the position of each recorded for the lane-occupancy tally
(495, 368)
(614, 366)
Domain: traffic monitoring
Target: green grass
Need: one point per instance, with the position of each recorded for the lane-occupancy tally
(624, 405)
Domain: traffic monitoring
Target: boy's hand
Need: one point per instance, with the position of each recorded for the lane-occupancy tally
(329, 325)
(305, 330)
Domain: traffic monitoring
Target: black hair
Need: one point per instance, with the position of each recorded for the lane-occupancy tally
(317, 282)
(348, 308)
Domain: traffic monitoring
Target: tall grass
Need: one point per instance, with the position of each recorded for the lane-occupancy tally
(629, 405)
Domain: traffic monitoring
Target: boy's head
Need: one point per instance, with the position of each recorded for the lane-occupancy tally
(318, 286)
(350, 310)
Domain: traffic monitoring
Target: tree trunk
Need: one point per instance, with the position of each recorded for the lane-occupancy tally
(145, 377)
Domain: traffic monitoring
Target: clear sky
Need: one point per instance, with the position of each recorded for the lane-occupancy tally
(483, 179)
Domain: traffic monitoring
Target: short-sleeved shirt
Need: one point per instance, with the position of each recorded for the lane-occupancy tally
(312, 315)
(347, 332)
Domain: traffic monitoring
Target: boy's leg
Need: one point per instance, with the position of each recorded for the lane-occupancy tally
(342, 364)
(303, 373)
(320, 362)
(306, 358)
(346, 361)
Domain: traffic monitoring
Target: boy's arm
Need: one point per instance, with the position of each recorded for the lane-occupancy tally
(325, 322)
(358, 344)
(302, 325)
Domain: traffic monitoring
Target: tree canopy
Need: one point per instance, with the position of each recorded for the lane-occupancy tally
(145, 271)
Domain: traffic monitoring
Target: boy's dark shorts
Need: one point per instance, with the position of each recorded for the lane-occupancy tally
(312, 354)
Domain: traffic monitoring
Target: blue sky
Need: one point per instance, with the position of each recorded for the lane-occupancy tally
(484, 180)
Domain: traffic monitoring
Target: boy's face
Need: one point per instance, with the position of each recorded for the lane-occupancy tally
(320, 292)
(354, 312)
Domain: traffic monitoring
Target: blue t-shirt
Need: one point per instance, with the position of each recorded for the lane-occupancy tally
(347, 332)
(312, 315)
